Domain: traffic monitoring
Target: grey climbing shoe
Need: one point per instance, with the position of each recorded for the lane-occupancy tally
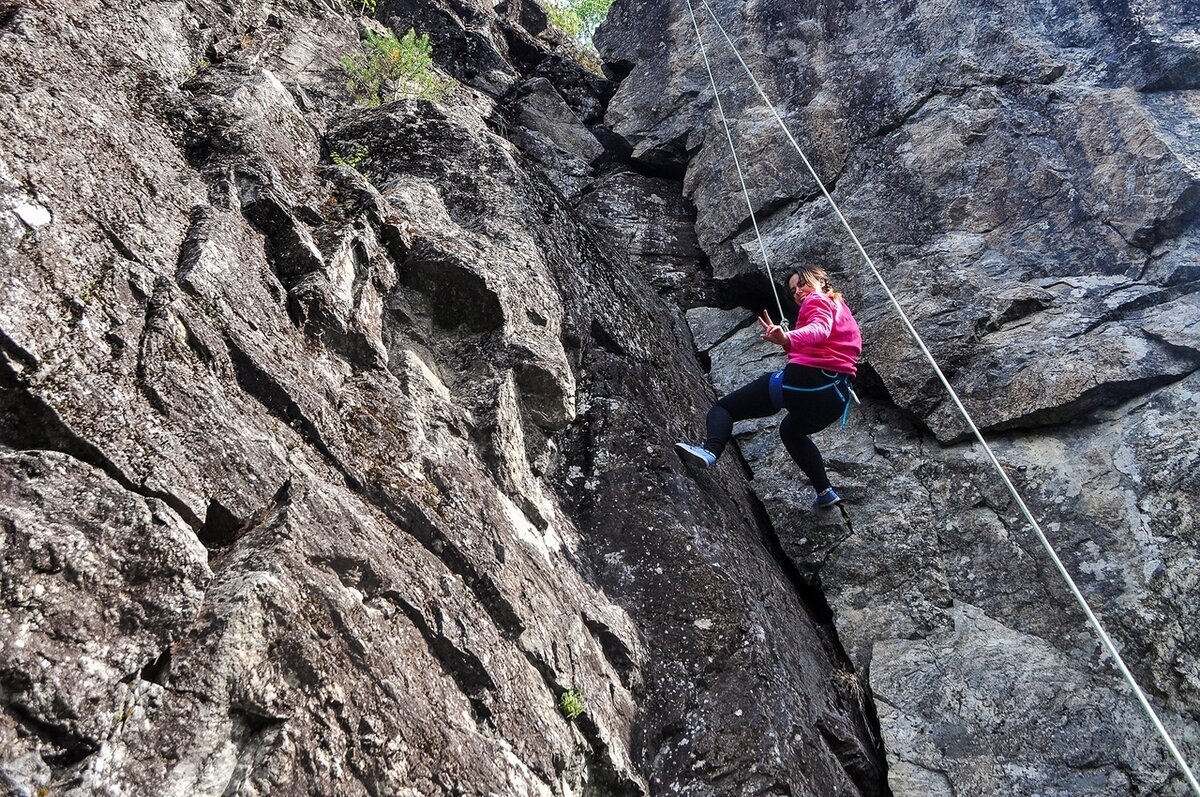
(699, 456)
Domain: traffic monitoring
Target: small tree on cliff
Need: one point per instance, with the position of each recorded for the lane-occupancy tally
(390, 68)
(579, 18)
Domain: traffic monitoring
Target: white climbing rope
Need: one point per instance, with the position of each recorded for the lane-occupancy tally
(783, 322)
(1058, 564)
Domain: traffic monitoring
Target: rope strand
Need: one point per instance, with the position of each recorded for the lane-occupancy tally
(1012, 490)
(738, 164)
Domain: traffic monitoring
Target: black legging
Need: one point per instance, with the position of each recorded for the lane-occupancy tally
(807, 413)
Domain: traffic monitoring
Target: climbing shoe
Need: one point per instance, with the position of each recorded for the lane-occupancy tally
(826, 498)
(696, 455)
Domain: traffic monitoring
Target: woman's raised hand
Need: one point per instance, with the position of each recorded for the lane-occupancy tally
(771, 332)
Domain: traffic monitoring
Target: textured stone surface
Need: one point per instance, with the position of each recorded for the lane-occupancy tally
(647, 220)
(962, 722)
(97, 581)
(974, 168)
(334, 480)
(711, 327)
(550, 132)
(1027, 180)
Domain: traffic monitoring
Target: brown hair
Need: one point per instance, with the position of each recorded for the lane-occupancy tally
(818, 275)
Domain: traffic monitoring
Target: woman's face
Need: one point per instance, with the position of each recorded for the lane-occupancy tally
(800, 288)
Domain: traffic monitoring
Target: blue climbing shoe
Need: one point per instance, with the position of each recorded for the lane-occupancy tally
(696, 455)
(827, 498)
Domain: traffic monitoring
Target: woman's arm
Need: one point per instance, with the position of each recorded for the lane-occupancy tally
(817, 310)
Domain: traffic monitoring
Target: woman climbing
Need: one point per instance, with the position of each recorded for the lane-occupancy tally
(814, 387)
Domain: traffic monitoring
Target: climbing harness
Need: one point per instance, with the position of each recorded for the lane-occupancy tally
(839, 383)
(1118, 661)
(776, 388)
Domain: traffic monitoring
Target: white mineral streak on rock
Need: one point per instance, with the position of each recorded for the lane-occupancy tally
(527, 532)
(33, 214)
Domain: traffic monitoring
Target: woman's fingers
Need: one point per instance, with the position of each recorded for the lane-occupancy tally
(770, 331)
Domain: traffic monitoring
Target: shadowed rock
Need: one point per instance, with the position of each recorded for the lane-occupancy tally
(1026, 180)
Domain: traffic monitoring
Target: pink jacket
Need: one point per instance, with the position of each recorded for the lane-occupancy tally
(826, 336)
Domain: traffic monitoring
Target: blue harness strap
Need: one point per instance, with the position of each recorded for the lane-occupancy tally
(776, 388)
(839, 382)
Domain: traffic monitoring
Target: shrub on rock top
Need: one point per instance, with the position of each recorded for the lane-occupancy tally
(390, 68)
(579, 18)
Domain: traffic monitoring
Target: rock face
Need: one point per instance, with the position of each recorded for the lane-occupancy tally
(335, 442)
(332, 479)
(1027, 180)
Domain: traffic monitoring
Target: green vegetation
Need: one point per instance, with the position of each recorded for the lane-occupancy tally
(367, 8)
(390, 68)
(579, 18)
(570, 704)
(197, 68)
(354, 160)
(563, 18)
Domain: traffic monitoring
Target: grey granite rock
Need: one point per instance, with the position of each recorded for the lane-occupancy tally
(711, 326)
(1176, 323)
(97, 582)
(970, 167)
(1027, 181)
(365, 466)
(986, 710)
(646, 220)
(550, 132)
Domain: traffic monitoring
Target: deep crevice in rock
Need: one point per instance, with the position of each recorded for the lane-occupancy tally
(8, 14)
(122, 248)
(158, 670)
(30, 423)
(855, 760)
(870, 780)
(253, 734)
(615, 650)
(809, 593)
(71, 748)
(220, 528)
(409, 516)
(667, 161)
(606, 341)
(752, 291)
(11, 350)
(463, 667)
(456, 295)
